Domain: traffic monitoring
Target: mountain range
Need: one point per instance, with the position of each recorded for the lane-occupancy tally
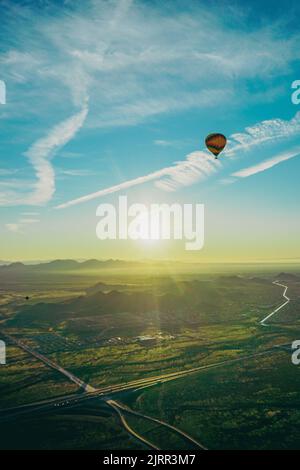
(66, 265)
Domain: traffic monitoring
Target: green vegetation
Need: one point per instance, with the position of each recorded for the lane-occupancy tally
(254, 404)
(25, 379)
(86, 427)
(115, 330)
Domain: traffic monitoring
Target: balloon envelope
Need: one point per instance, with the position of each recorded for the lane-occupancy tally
(215, 143)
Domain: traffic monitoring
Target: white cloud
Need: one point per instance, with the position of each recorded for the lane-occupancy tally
(28, 221)
(175, 143)
(136, 59)
(41, 151)
(77, 172)
(266, 131)
(266, 164)
(197, 165)
(227, 181)
(30, 213)
(19, 226)
(5, 172)
(15, 228)
(164, 143)
(39, 155)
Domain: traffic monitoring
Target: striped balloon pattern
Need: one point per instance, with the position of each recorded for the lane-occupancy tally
(215, 143)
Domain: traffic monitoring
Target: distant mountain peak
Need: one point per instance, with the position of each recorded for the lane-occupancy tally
(287, 276)
(15, 265)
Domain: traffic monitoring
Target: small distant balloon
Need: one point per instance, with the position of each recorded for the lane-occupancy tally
(215, 143)
(27, 298)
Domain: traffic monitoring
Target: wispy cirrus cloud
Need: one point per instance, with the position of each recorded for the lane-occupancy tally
(30, 214)
(266, 164)
(42, 151)
(197, 165)
(270, 130)
(138, 59)
(77, 172)
(19, 226)
(39, 156)
(174, 143)
(7, 172)
(27, 220)
(14, 227)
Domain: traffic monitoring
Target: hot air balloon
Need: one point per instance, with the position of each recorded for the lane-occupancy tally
(215, 143)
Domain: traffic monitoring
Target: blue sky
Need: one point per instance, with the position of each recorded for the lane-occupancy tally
(102, 93)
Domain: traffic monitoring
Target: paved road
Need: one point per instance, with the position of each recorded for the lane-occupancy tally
(119, 407)
(88, 388)
(105, 392)
(140, 438)
(263, 322)
(92, 392)
(48, 362)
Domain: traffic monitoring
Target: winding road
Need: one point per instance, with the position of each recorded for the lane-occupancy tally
(119, 407)
(287, 300)
(140, 438)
